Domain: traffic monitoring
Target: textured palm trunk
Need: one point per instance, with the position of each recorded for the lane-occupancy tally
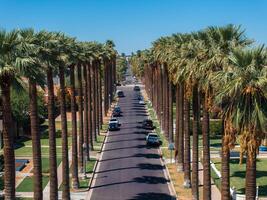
(75, 179)
(85, 113)
(90, 108)
(105, 87)
(225, 168)
(206, 150)
(99, 89)
(251, 169)
(64, 136)
(93, 103)
(161, 97)
(187, 154)
(8, 138)
(180, 163)
(52, 136)
(167, 106)
(177, 122)
(80, 122)
(170, 113)
(195, 190)
(36, 145)
(97, 99)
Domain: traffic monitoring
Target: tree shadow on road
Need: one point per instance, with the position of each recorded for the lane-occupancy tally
(152, 196)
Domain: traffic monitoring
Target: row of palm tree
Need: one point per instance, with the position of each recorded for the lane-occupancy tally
(215, 68)
(38, 57)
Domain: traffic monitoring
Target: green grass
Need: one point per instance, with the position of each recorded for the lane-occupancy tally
(84, 183)
(45, 164)
(90, 165)
(45, 141)
(100, 140)
(238, 173)
(27, 184)
(27, 151)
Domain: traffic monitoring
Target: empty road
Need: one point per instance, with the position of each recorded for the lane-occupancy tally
(128, 169)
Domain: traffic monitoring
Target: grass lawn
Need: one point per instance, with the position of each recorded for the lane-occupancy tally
(45, 141)
(84, 183)
(90, 165)
(27, 151)
(27, 184)
(238, 173)
(100, 140)
(45, 164)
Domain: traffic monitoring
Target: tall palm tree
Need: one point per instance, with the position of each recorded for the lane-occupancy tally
(8, 48)
(245, 86)
(46, 42)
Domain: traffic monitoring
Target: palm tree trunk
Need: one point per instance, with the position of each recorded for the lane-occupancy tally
(251, 169)
(36, 145)
(80, 109)
(64, 135)
(225, 169)
(85, 113)
(195, 190)
(90, 108)
(180, 166)
(170, 113)
(187, 154)
(93, 103)
(206, 151)
(97, 99)
(100, 99)
(52, 136)
(75, 179)
(8, 138)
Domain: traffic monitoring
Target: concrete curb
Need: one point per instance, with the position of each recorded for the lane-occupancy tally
(168, 176)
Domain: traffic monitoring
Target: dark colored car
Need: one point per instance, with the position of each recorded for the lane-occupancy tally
(140, 98)
(116, 113)
(120, 94)
(118, 84)
(117, 109)
(113, 126)
(148, 124)
(152, 139)
(136, 88)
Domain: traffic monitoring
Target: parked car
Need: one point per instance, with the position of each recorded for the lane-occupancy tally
(116, 113)
(118, 84)
(152, 139)
(142, 102)
(114, 119)
(136, 88)
(120, 94)
(147, 124)
(113, 126)
(140, 98)
(117, 109)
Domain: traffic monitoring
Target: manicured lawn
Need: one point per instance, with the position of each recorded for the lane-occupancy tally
(84, 183)
(27, 184)
(90, 165)
(238, 173)
(100, 139)
(27, 151)
(45, 141)
(45, 164)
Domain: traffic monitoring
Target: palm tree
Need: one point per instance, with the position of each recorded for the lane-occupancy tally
(75, 179)
(80, 110)
(90, 106)
(8, 47)
(245, 86)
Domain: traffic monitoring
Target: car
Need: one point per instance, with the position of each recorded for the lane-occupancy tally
(142, 102)
(113, 126)
(147, 124)
(120, 94)
(116, 113)
(117, 109)
(118, 84)
(114, 119)
(152, 139)
(140, 98)
(136, 88)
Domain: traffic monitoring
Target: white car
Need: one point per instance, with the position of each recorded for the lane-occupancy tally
(142, 102)
(115, 120)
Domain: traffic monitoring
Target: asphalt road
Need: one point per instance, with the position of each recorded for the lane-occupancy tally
(128, 169)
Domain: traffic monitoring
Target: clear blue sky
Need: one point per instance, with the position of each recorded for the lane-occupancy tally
(133, 24)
